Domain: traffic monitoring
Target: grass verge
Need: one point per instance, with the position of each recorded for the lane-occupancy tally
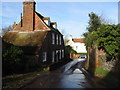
(101, 72)
(106, 78)
(18, 80)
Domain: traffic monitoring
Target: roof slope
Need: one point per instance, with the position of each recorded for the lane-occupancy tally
(20, 36)
(35, 38)
(39, 23)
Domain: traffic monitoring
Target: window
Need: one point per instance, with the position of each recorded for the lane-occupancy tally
(60, 39)
(57, 39)
(62, 53)
(57, 55)
(53, 38)
(44, 56)
(76, 47)
(53, 56)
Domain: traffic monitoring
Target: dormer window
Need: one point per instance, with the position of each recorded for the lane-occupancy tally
(47, 20)
(53, 24)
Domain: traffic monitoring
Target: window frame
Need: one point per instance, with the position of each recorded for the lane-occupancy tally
(60, 54)
(44, 56)
(53, 56)
(53, 38)
(63, 53)
(60, 39)
(57, 39)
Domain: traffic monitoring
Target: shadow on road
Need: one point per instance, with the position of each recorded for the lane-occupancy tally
(68, 76)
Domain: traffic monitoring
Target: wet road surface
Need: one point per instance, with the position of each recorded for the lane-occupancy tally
(68, 76)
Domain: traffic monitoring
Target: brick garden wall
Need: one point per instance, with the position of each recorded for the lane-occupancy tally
(96, 56)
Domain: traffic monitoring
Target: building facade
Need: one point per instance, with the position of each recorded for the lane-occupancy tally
(78, 44)
(37, 36)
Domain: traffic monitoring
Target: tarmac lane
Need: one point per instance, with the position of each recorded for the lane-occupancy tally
(68, 76)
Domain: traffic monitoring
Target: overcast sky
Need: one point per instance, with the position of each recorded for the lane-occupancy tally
(71, 17)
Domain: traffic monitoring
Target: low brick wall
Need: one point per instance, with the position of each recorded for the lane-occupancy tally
(75, 55)
(95, 55)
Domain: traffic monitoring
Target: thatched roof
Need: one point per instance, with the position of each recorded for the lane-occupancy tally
(34, 38)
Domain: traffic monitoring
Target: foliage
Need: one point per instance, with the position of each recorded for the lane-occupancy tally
(107, 37)
(12, 60)
(5, 29)
(91, 38)
(12, 55)
(82, 53)
(69, 50)
(94, 22)
(109, 40)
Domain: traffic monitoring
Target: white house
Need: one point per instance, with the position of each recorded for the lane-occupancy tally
(78, 44)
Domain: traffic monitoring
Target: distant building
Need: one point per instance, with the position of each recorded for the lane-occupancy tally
(69, 41)
(39, 38)
(78, 44)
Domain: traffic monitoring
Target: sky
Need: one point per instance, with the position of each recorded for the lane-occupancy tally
(71, 17)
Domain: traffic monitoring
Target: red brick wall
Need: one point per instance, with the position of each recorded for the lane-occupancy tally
(28, 16)
(74, 55)
(30, 20)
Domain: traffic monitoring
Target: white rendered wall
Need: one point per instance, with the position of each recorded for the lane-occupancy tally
(80, 47)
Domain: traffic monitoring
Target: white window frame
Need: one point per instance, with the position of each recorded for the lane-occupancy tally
(62, 53)
(44, 56)
(60, 39)
(47, 22)
(57, 55)
(53, 56)
(53, 38)
(76, 47)
(57, 39)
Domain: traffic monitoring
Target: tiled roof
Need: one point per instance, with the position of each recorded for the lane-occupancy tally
(81, 40)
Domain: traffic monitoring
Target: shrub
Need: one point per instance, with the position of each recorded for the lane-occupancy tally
(12, 60)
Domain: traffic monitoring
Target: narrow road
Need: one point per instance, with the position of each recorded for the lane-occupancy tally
(68, 76)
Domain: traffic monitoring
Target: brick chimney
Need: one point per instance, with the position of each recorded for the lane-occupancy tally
(28, 15)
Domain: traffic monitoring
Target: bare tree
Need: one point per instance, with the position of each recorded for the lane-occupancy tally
(5, 29)
(65, 35)
(104, 20)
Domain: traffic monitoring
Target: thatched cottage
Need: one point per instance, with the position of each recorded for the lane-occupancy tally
(39, 38)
